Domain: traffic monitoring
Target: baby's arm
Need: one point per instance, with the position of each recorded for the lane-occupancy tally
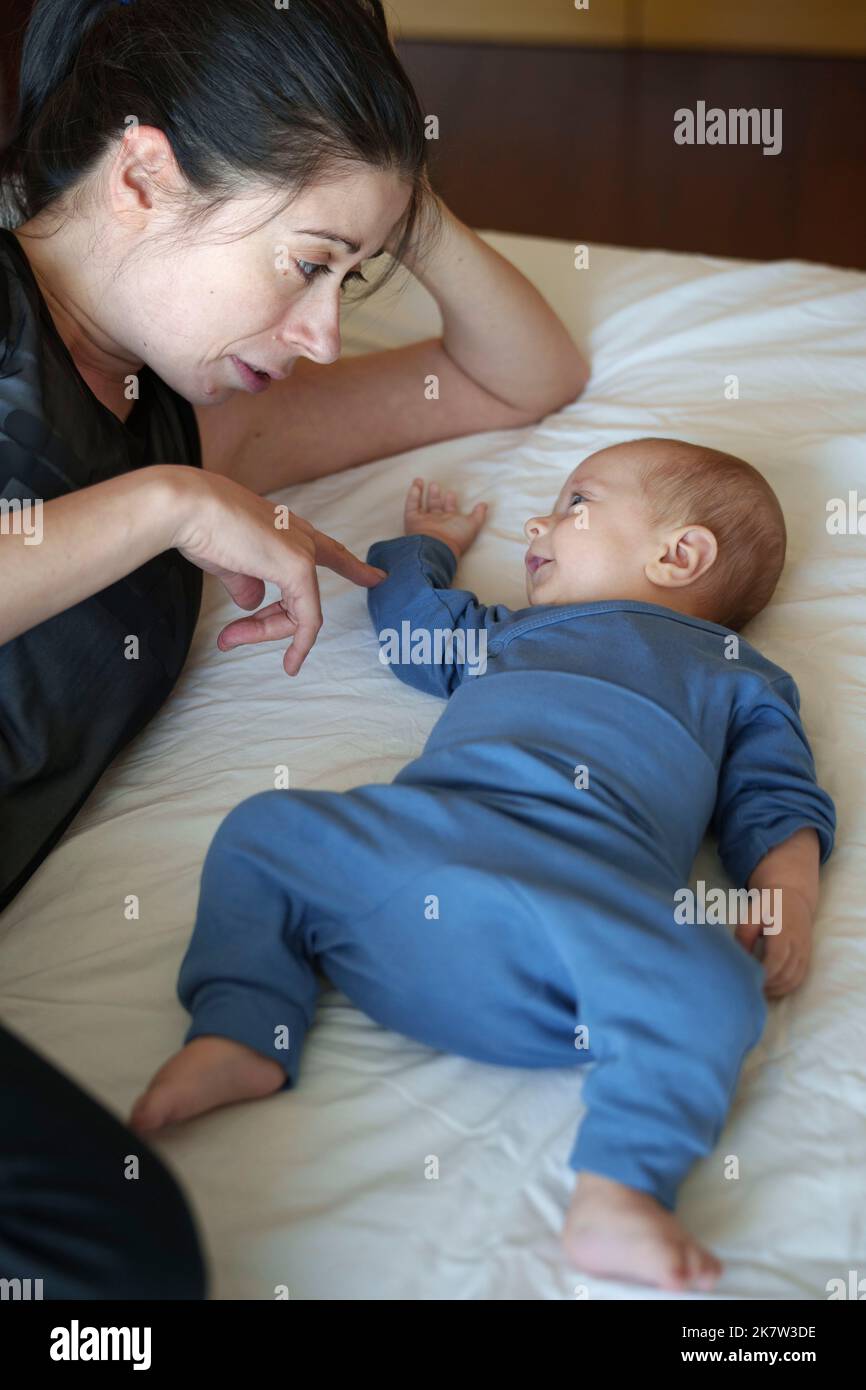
(775, 825)
(430, 634)
(792, 869)
(440, 517)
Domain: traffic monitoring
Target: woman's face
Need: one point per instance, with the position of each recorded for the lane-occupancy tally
(196, 309)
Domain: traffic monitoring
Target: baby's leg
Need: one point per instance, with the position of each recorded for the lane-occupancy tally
(283, 871)
(616, 1231)
(672, 1012)
(381, 887)
(245, 978)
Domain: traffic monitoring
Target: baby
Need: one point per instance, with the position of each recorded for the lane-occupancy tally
(519, 894)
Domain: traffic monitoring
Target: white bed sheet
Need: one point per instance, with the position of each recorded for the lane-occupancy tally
(323, 1190)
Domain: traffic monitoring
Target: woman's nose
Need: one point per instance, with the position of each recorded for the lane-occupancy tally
(316, 331)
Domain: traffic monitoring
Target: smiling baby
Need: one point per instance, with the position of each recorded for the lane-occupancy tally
(512, 895)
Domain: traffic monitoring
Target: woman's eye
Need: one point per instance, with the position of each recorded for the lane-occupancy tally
(310, 269)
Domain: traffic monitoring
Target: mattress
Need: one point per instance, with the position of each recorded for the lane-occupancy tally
(329, 1191)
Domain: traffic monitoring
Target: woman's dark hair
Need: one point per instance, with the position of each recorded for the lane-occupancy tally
(243, 90)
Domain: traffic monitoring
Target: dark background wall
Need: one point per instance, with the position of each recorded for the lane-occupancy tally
(577, 142)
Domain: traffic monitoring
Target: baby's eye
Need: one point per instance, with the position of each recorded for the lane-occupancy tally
(576, 499)
(310, 269)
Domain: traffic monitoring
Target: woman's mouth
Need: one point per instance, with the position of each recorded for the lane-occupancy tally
(535, 562)
(252, 380)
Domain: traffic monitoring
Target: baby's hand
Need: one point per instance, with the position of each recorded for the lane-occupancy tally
(440, 518)
(787, 952)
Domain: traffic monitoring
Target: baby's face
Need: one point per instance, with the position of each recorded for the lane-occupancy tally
(597, 541)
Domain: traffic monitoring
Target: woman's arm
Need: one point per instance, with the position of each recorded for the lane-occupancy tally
(496, 327)
(89, 539)
(504, 360)
(93, 537)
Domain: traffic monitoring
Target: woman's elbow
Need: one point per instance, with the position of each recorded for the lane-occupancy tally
(579, 380)
(571, 385)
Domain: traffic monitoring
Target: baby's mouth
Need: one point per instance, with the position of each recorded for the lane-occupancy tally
(535, 562)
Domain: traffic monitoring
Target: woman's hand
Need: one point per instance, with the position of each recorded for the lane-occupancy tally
(430, 213)
(440, 517)
(247, 542)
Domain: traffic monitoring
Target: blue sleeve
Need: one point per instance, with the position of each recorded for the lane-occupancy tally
(430, 635)
(767, 784)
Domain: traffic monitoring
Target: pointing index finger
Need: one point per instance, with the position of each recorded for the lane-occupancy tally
(342, 561)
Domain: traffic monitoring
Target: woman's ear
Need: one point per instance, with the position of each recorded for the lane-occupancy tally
(683, 557)
(141, 173)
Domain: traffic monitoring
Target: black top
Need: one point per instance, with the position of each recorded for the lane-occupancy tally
(70, 697)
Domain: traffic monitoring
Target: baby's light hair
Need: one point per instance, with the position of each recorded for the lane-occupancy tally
(688, 484)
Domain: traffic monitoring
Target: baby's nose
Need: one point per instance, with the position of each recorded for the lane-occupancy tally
(535, 526)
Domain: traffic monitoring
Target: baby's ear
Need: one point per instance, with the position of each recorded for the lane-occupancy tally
(683, 557)
(699, 549)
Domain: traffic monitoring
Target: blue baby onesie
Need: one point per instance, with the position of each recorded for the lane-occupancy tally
(510, 896)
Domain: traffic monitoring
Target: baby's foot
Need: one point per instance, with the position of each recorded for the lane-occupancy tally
(208, 1072)
(612, 1230)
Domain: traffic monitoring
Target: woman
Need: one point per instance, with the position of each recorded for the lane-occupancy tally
(192, 190)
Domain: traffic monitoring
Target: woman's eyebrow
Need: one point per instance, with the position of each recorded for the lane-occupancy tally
(352, 246)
